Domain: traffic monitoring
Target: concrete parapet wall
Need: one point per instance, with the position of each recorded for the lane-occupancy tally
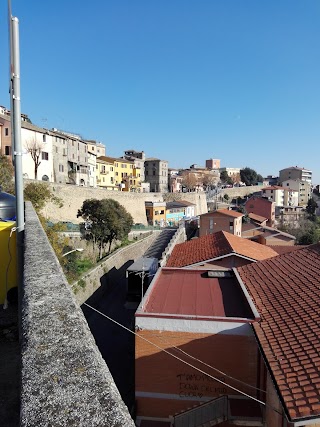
(241, 191)
(104, 273)
(64, 380)
(179, 237)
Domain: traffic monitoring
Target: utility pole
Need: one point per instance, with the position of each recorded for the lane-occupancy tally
(16, 138)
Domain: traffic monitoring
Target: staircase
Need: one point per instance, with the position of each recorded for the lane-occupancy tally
(208, 414)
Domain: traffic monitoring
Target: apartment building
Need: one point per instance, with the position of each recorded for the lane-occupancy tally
(127, 176)
(156, 173)
(105, 174)
(295, 172)
(303, 188)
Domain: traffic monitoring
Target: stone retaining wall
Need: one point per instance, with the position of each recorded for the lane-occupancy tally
(73, 197)
(64, 380)
(103, 275)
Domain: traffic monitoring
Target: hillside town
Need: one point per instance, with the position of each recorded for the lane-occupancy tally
(218, 283)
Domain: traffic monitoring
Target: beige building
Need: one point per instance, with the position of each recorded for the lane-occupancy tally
(303, 188)
(105, 174)
(156, 173)
(233, 173)
(295, 172)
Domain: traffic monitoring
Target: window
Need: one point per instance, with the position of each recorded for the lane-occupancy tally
(154, 172)
(44, 139)
(111, 168)
(56, 149)
(45, 156)
(61, 168)
(64, 152)
(6, 131)
(117, 174)
(7, 150)
(211, 224)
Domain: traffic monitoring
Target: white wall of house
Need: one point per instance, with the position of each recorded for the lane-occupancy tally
(275, 195)
(43, 140)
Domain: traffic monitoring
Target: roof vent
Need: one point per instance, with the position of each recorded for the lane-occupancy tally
(213, 274)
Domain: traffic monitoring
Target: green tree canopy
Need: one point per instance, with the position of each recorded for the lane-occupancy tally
(6, 175)
(107, 221)
(311, 208)
(225, 178)
(39, 193)
(250, 176)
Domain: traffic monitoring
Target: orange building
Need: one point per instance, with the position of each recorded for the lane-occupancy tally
(263, 207)
(204, 314)
(221, 220)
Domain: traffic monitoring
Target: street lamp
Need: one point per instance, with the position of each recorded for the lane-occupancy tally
(73, 250)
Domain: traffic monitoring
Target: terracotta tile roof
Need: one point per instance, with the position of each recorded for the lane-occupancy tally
(215, 245)
(257, 218)
(283, 249)
(224, 212)
(286, 292)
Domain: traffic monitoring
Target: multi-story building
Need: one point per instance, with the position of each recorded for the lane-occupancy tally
(37, 144)
(263, 207)
(105, 174)
(156, 173)
(295, 172)
(138, 157)
(282, 196)
(156, 213)
(303, 188)
(127, 177)
(221, 220)
(77, 155)
(213, 164)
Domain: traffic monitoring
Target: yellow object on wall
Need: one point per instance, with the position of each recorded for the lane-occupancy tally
(8, 258)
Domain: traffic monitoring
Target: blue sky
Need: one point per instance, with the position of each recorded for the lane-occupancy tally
(183, 80)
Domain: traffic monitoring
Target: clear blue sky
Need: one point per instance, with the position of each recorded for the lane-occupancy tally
(183, 80)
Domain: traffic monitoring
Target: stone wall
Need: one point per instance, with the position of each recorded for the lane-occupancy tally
(103, 275)
(73, 197)
(64, 380)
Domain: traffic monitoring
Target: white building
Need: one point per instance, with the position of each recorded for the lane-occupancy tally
(281, 196)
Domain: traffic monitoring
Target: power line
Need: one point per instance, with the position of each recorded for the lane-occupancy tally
(181, 360)
(209, 366)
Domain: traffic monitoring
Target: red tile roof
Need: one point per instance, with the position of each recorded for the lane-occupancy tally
(283, 249)
(227, 212)
(257, 218)
(215, 245)
(286, 292)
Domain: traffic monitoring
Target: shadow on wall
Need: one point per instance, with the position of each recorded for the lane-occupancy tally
(110, 279)
(158, 373)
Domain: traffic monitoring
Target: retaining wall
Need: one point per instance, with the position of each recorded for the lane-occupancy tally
(64, 380)
(73, 196)
(103, 275)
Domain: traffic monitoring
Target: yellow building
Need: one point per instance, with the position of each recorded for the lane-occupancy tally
(105, 174)
(127, 176)
(156, 213)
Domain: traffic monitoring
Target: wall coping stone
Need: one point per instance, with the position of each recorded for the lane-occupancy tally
(64, 380)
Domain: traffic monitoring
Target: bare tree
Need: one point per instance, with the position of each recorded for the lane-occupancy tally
(35, 149)
(190, 180)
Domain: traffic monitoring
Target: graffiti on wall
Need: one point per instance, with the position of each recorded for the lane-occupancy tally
(199, 385)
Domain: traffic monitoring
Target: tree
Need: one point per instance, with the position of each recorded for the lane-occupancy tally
(6, 175)
(226, 197)
(39, 193)
(107, 220)
(225, 178)
(189, 181)
(311, 208)
(35, 149)
(250, 176)
(209, 180)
